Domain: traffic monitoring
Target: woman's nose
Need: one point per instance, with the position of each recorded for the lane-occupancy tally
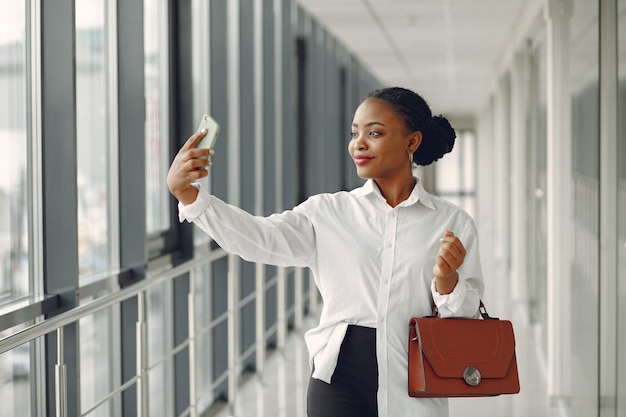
(359, 141)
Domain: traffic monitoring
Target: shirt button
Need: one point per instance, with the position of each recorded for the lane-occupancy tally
(386, 282)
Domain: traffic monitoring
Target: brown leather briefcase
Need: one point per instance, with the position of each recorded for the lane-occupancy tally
(459, 357)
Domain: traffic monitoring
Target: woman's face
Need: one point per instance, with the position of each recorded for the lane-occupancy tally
(380, 144)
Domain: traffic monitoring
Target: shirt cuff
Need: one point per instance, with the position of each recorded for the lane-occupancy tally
(450, 305)
(190, 211)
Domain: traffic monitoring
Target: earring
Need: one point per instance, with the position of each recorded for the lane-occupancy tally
(410, 157)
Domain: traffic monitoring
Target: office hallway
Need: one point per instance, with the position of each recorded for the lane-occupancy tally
(281, 390)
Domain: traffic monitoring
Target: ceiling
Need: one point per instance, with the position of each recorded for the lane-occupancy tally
(449, 51)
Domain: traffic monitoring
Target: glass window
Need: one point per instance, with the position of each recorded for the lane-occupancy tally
(204, 340)
(584, 87)
(14, 200)
(157, 115)
(97, 372)
(455, 173)
(93, 138)
(15, 365)
(15, 379)
(159, 312)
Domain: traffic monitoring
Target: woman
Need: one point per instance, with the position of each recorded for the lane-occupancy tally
(380, 254)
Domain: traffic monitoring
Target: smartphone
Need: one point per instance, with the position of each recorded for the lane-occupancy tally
(212, 130)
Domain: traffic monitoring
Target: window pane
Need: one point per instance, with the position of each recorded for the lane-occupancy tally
(455, 173)
(15, 381)
(97, 361)
(584, 84)
(14, 274)
(92, 137)
(469, 170)
(448, 172)
(159, 347)
(155, 44)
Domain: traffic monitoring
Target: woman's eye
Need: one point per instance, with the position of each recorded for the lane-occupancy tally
(353, 135)
(375, 133)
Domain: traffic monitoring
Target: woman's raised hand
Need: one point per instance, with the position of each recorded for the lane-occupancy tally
(449, 258)
(190, 164)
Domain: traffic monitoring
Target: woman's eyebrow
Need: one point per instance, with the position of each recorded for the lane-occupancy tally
(369, 124)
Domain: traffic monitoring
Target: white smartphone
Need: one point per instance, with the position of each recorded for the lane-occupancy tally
(212, 130)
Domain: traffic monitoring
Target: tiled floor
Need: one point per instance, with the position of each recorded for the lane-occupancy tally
(281, 390)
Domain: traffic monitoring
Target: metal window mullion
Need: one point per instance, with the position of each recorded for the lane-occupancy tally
(234, 347)
(142, 356)
(35, 191)
(60, 377)
(209, 347)
(35, 218)
(299, 297)
(58, 183)
(278, 105)
(259, 180)
(234, 191)
(113, 135)
(193, 362)
(169, 337)
(281, 307)
(608, 210)
(115, 354)
(519, 179)
(260, 318)
(164, 79)
(559, 197)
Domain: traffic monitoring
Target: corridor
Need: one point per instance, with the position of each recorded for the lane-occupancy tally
(281, 390)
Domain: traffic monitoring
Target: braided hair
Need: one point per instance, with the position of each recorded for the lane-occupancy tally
(437, 135)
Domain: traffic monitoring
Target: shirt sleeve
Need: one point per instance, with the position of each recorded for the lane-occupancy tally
(284, 239)
(464, 300)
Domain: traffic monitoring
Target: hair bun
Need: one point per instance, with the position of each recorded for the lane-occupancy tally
(446, 134)
(437, 141)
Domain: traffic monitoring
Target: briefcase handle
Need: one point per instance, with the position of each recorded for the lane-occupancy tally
(481, 308)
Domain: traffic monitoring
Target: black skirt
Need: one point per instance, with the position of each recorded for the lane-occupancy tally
(354, 384)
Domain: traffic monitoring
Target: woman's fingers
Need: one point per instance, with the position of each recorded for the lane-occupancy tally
(189, 147)
(450, 256)
(189, 165)
(194, 139)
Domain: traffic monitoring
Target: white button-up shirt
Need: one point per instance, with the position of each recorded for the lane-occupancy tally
(372, 264)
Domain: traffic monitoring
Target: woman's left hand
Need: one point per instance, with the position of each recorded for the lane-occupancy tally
(449, 258)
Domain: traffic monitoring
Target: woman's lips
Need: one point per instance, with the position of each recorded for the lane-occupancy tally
(362, 160)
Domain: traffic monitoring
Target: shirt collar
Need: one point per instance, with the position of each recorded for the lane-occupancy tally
(419, 194)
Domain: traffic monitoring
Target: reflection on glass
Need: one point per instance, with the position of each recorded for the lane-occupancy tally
(92, 136)
(14, 275)
(157, 376)
(584, 85)
(15, 392)
(96, 362)
(15, 382)
(157, 197)
(158, 311)
(204, 337)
